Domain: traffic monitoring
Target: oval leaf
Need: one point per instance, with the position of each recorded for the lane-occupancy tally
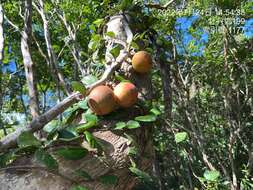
(146, 118)
(155, 111)
(78, 86)
(83, 104)
(211, 175)
(140, 174)
(27, 139)
(120, 125)
(46, 159)
(98, 22)
(82, 174)
(88, 80)
(111, 34)
(72, 153)
(133, 124)
(180, 137)
(108, 179)
(115, 51)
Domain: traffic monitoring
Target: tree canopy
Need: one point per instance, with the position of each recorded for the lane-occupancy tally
(53, 52)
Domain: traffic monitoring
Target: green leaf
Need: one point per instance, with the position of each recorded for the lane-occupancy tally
(51, 126)
(108, 179)
(135, 45)
(115, 51)
(72, 153)
(132, 151)
(155, 111)
(83, 104)
(120, 125)
(133, 124)
(27, 139)
(78, 86)
(46, 159)
(90, 139)
(78, 187)
(110, 34)
(67, 135)
(90, 118)
(146, 118)
(88, 80)
(84, 127)
(6, 158)
(140, 174)
(180, 137)
(94, 42)
(125, 4)
(120, 78)
(82, 174)
(211, 175)
(91, 121)
(98, 22)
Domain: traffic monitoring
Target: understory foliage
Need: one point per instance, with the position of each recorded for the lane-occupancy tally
(202, 86)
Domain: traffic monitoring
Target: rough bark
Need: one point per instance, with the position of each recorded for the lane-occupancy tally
(56, 73)
(115, 159)
(27, 59)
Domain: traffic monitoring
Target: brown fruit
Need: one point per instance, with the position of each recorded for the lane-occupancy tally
(102, 100)
(142, 62)
(126, 94)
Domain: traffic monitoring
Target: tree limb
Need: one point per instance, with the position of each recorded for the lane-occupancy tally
(27, 60)
(55, 70)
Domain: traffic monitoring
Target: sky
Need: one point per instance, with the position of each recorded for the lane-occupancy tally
(184, 23)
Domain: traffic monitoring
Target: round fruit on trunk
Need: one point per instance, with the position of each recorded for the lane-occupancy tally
(101, 100)
(126, 94)
(142, 62)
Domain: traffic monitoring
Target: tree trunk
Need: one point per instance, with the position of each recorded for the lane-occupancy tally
(116, 144)
(27, 59)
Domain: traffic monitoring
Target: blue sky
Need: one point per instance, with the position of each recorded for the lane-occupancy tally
(248, 28)
(184, 23)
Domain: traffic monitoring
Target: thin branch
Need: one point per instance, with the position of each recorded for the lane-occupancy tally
(60, 53)
(55, 70)
(12, 24)
(40, 49)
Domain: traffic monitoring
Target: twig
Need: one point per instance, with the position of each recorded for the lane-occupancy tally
(12, 24)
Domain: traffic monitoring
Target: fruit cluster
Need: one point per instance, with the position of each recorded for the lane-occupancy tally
(103, 100)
